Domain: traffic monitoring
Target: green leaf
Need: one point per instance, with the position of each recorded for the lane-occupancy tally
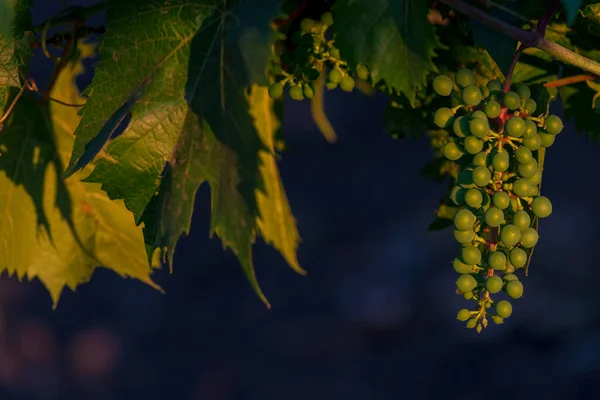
(578, 104)
(480, 61)
(571, 8)
(592, 12)
(392, 37)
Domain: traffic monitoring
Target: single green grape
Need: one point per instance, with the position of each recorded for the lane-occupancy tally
(536, 179)
(533, 141)
(509, 268)
(523, 155)
(464, 77)
(512, 100)
(494, 217)
(542, 207)
(347, 84)
(521, 220)
(480, 159)
(510, 235)
(362, 72)
(335, 76)
(471, 255)
(497, 319)
(479, 114)
(275, 90)
(479, 127)
(308, 91)
(547, 139)
(503, 309)
(334, 52)
(307, 24)
(501, 200)
(468, 295)
(461, 267)
(330, 85)
(466, 283)
(465, 236)
(494, 284)
(530, 106)
(457, 195)
(443, 117)
(463, 315)
(524, 92)
(501, 161)
(464, 220)
(522, 187)
(473, 145)
(473, 198)
(492, 109)
(535, 191)
(529, 238)
(518, 257)
(472, 323)
(530, 127)
(494, 85)
(510, 277)
(481, 176)
(497, 260)
(471, 95)
(327, 18)
(452, 152)
(515, 127)
(442, 85)
(528, 170)
(553, 124)
(296, 92)
(513, 288)
(460, 126)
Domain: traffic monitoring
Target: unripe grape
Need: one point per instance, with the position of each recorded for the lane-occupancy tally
(296, 92)
(497, 260)
(553, 124)
(334, 52)
(442, 85)
(529, 238)
(515, 127)
(330, 85)
(479, 114)
(521, 220)
(537, 178)
(541, 206)
(492, 109)
(510, 277)
(523, 155)
(527, 170)
(472, 323)
(533, 141)
(497, 320)
(479, 127)
(518, 257)
(468, 295)
(481, 176)
(530, 127)
(530, 106)
(501, 161)
(524, 92)
(494, 85)
(494, 284)
(471, 255)
(362, 72)
(464, 237)
(335, 76)
(510, 235)
(347, 84)
(473, 145)
(308, 91)
(509, 268)
(443, 117)
(473, 198)
(457, 195)
(460, 126)
(307, 24)
(503, 309)
(461, 267)
(275, 90)
(327, 18)
(547, 139)
(466, 283)
(464, 220)
(464, 77)
(452, 152)
(522, 187)
(494, 217)
(501, 200)
(471, 95)
(513, 288)
(463, 315)
(480, 159)
(512, 100)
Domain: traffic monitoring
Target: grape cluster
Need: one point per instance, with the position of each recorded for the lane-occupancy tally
(497, 139)
(313, 51)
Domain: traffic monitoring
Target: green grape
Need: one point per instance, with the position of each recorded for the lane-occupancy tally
(494, 85)
(553, 124)
(480, 159)
(521, 220)
(513, 288)
(457, 195)
(479, 127)
(471, 323)
(509, 268)
(535, 190)
(510, 277)
(468, 295)
(523, 155)
(497, 260)
(522, 187)
(472, 145)
(347, 84)
(443, 85)
(471, 95)
(335, 76)
(515, 127)
(530, 106)
(530, 127)
(452, 152)
(296, 92)
(503, 309)
(362, 72)
(485, 92)
(471, 255)
(501, 161)
(537, 178)
(443, 117)
(518, 257)
(461, 267)
(464, 77)
(494, 217)
(460, 126)
(463, 315)
(307, 24)
(327, 18)
(492, 109)
(464, 237)
(331, 85)
(512, 100)
(465, 178)
(334, 52)
(481, 176)
(479, 114)
(547, 139)
(510, 235)
(533, 141)
(527, 170)
(501, 200)
(541, 206)
(464, 220)
(308, 91)
(466, 283)
(473, 198)
(529, 238)
(524, 92)
(275, 90)
(494, 284)
(497, 320)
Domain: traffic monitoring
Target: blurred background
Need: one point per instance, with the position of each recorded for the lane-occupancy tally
(374, 318)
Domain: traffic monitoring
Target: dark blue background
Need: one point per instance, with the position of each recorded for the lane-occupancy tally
(374, 318)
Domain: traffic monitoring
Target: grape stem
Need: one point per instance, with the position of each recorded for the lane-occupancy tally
(528, 38)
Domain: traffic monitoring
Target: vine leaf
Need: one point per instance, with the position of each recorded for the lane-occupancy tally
(592, 11)
(577, 100)
(392, 37)
(95, 230)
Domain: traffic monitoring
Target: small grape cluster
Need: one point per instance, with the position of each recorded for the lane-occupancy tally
(313, 50)
(499, 142)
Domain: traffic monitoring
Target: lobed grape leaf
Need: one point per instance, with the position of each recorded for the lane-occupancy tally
(392, 37)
